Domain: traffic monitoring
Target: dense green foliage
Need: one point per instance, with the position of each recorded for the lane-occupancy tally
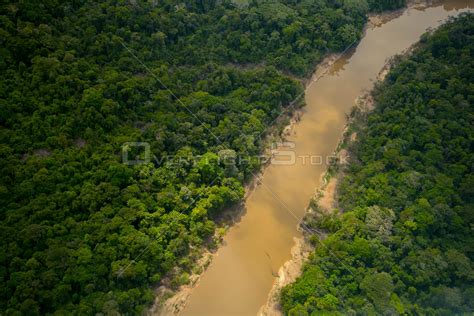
(380, 5)
(404, 243)
(81, 231)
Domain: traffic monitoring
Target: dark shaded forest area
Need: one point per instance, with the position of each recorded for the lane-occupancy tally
(403, 243)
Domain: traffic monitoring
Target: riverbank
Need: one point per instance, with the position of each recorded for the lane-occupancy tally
(171, 302)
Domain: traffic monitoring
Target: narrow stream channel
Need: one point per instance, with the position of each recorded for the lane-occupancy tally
(241, 274)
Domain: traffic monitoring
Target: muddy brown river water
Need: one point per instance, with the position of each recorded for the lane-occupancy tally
(242, 272)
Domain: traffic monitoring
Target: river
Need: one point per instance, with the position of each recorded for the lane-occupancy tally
(241, 274)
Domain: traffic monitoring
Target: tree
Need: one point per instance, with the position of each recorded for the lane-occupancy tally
(378, 287)
(379, 222)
